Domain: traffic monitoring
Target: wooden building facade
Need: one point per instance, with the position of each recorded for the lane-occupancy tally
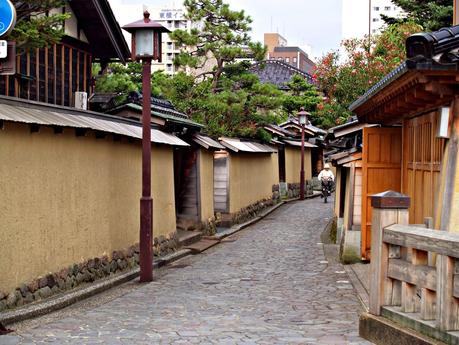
(53, 74)
(416, 105)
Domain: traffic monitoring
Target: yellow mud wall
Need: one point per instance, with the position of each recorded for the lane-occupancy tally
(206, 183)
(65, 199)
(251, 177)
(293, 164)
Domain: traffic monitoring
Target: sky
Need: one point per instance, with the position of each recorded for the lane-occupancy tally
(314, 25)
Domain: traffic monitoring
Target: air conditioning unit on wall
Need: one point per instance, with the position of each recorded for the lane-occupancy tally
(81, 100)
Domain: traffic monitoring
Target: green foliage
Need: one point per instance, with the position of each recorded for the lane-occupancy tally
(430, 14)
(240, 107)
(119, 78)
(222, 37)
(35, 29)
(366, 62)
(301, 95)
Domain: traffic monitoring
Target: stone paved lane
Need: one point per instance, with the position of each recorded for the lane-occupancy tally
(269, 284)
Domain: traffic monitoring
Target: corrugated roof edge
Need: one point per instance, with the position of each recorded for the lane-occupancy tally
(63, 110)
(207, 142)
(247, 145)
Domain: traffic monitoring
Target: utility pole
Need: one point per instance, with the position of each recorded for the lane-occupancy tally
(456, 12)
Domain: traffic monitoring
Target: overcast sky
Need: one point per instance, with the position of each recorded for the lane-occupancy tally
(310, 24)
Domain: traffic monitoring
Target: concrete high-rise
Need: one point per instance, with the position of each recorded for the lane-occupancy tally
(363, 17)
(172, 18)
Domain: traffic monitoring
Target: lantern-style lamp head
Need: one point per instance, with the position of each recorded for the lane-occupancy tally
(146, 38)
(303, 117)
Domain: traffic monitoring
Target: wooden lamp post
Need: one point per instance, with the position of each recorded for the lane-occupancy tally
(146, 46)
(303, 120)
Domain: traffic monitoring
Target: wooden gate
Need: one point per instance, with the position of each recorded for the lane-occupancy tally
(381, 171)
(221, 183)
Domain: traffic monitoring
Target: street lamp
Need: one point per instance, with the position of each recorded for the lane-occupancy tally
(303, 120)
(146, 46)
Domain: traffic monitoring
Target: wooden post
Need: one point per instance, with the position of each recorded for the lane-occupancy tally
(447, 306)
(456, 12)
(388, 208)
(428, 297)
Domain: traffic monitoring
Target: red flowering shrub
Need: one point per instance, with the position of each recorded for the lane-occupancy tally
(364, 62)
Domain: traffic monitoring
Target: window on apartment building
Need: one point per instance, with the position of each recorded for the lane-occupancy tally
(177, 24)
(169, 23)
(373, 31)
(280, 59)
(287, 60)
(376, 8)
(295, 60)
(169, 45)
(169, 56)
(169, 67)
(375, 19)
(387, 8)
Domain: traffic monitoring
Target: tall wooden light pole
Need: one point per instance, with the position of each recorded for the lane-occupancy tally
(146, 46)
(456, 12)
(302, 119)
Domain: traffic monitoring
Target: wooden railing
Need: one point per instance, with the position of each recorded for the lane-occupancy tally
(413, 267)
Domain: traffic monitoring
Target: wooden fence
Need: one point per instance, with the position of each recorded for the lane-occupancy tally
(413, 267)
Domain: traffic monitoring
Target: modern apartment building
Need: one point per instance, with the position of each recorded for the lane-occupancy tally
(363, 17)
(171, 18)
(278, 49)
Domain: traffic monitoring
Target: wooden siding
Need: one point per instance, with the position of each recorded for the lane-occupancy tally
(357, 212)
(381, 171)
(51, 75)
(221, 182)
(422, 156)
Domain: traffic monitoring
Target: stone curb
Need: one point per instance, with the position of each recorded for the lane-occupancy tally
(362, 294)
(68, 298)
(239, 227)
(71, 297)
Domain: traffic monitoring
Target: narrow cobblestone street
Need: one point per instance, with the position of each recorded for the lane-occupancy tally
(269, 284)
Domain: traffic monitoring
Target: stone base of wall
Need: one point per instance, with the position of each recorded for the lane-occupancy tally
(293, 189)
(164, 245)
(83, 273)
(248, 213)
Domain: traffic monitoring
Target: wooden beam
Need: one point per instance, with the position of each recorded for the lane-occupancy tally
(420, 275)
(440, 242)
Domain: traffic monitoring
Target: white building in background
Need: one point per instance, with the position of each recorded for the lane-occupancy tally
(172, 18)
(363, 17)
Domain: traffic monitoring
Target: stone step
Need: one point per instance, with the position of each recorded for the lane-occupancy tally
(188, 237)
(202, 245)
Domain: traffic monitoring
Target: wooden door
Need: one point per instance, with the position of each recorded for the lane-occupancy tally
(423, 154)
(381, 171)
(221, 182)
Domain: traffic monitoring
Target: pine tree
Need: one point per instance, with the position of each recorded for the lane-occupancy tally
(430, 14)
(35, 26)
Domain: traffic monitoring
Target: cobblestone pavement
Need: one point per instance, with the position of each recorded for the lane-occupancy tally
(269, 284)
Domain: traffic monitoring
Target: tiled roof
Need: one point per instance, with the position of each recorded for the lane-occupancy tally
(278, 73)
(425, 51)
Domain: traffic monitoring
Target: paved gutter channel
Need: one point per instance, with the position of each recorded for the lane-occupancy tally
(71, 297)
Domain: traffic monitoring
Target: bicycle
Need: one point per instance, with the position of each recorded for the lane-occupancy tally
(327, 184)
